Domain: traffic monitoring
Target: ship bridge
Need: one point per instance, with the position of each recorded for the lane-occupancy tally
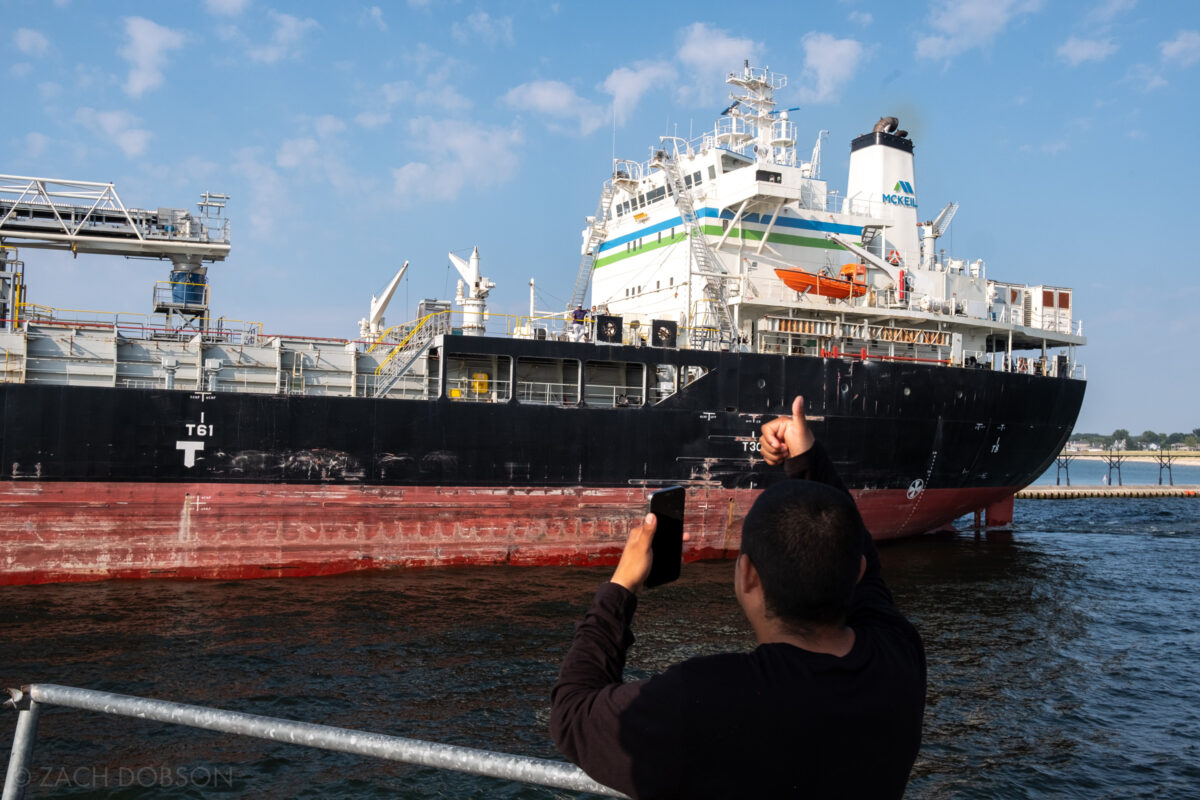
(87, 217)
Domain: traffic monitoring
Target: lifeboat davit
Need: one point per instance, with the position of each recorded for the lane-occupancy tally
(851, 283)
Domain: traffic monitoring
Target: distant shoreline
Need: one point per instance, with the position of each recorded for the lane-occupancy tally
(1189, 457)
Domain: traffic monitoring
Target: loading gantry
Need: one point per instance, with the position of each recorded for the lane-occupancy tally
(86, 217)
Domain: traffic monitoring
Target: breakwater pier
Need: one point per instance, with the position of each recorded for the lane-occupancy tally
(1077, 492)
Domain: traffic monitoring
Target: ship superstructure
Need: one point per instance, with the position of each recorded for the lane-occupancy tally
(725, 277)
(699, 234)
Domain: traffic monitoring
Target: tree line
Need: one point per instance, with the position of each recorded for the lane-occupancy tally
(1121, 439)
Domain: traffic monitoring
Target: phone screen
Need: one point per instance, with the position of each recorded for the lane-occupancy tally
(667, 505)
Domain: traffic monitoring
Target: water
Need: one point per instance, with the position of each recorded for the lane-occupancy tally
(1090, 472)
(1062, 663)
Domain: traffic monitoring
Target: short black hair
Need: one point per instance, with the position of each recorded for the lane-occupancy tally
(805, 540)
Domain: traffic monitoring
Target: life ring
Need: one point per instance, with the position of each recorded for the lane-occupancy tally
(894, 258)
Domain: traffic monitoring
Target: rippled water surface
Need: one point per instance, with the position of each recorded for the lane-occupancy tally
(1063, 663)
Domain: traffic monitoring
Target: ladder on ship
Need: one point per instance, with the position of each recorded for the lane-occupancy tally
(597, 233)
(712, 322)
(409, 342)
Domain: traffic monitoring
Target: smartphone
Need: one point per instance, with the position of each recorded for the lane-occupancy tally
(667, 506)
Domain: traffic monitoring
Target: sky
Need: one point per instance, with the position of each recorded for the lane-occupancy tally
(352, 137)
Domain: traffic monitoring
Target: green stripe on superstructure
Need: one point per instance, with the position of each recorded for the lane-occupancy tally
(715, 230)
(670, 240)
(752, 235)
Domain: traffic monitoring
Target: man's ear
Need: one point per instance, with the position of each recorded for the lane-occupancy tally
(862, 568)
(748, 574)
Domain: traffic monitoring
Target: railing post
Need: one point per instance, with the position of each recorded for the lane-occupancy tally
(18, 763)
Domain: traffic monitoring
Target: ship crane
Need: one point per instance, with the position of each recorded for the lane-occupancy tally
(87, 217)
(371, 326)
(473, 290)
(932, 231)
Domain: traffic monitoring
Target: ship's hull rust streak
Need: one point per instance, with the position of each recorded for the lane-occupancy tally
(57, 531)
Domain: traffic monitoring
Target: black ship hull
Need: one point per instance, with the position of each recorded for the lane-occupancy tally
(103, 482)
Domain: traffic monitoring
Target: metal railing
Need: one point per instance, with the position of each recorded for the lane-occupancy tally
(525, 769)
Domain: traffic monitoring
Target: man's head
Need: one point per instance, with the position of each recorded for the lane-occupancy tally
(804, 540)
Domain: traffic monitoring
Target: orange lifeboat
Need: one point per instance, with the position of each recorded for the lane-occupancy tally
(852, 281)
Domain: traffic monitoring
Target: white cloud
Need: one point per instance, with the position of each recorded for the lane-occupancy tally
(1145, 78)
(21, 69)
(373, 119)
(270, 199)
(1049, 148)
(963, 25)
(459, 154)
(558, 100)
(285, 39)
(119, 127)
(709, 54)
(30, 42)
(1183, 50)
(627, 85)
(226, 8)
(437, 94)
(1076, 51)
(863, 18)
(296, 152)
(48, 90)
(1110, 9)
(829, 64)
(146, 51)
(374, 16)
(35, 144)
(480, 25)
(327, 125)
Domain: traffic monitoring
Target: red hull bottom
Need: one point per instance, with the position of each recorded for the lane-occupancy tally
(79, 531)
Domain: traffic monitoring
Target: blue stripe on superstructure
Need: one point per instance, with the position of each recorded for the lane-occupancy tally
(662, 226)
(755, 219)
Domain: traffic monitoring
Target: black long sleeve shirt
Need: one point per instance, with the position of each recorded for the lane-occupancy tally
(776, 722)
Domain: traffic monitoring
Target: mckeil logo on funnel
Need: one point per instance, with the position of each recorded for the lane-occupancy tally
(905, 196)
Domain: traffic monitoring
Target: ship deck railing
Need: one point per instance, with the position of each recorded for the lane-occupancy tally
(135, 325)
(29, 701)
(547, 393)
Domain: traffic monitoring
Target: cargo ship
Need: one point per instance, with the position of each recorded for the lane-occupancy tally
(718, 278)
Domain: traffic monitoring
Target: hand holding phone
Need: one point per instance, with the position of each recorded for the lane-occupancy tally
(667, 507)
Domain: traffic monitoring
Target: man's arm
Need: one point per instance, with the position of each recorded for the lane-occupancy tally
(585, 705)
(614, 730)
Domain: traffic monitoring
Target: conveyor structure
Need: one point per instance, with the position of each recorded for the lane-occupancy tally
(88, 217)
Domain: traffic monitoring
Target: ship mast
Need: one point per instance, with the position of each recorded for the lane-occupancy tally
(774, 135)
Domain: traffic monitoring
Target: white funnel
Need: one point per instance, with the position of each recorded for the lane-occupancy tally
(882, 184)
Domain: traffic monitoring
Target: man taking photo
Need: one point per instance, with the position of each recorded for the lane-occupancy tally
(829, 704)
